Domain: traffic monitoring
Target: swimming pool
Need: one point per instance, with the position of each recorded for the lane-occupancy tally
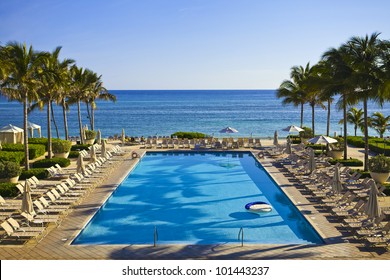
(197, 198)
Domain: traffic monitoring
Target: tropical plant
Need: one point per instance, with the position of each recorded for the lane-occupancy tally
(90, 134)
(355, 117)
(9, 169)
(379, 164)
(61, 146)
(379, 123)
(21, 82)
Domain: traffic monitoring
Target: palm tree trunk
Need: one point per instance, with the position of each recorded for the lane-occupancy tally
(89, 115)
(80, 124)
(301, 114)
(345, 126)
(92, 118)
(54, 119)
(25, 120)
(49, 151)
(312, 119)
(365, 134)
(328, 120)
(65, 119)
(355, 129)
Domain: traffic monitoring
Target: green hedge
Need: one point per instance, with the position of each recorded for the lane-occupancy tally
(80, 147)
(17, 157)
(73, 154)
(8, 190)
(9, 169)
(188, 135)
(46, 163)
(365, 174)
(377, 146)
(40, 173)
(41, 141)
(34, 150)
(316, 146)
(347, 162)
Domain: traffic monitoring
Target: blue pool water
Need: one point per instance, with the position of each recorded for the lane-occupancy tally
(197, 198)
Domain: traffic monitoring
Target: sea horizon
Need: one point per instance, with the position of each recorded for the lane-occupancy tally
(161, 112)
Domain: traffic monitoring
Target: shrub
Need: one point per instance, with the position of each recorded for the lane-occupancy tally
(8, 190)
(40, 173)
(9, 169)
(61, 146)
(34, 150)
(347, 162)
(17, 157)
(379, 164)
(41, 141)
(378, 147)
(73, 154)
(365, 174)
(356, 141)
(188, 135)
(80, 147)
(90, 134)
(387, 190)
(316, 146)
(307, 133)
(46, 163)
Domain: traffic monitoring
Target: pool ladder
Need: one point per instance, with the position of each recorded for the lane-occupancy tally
(241, 236)
(155, 237)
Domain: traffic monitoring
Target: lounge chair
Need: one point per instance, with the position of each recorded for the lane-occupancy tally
(10, 232)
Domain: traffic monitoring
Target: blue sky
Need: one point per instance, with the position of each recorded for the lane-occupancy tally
(191, 44)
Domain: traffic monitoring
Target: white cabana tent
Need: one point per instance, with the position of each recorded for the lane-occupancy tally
(11, 134)
(31, 127)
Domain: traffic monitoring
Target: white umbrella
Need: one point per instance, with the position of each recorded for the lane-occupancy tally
(80, 164)
(27, 205)
(276, 142)
(322, 140)
(104, 148)
(337, 186)
(372, 209)
(293, 128)
(312, 161)
(228, 130)
(92, 154)
(99, 137)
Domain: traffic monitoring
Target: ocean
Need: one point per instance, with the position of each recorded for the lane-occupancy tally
(162, 112)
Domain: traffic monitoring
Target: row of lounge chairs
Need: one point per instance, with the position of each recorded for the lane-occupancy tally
(346, 208)
(52, 201)
(209, 143)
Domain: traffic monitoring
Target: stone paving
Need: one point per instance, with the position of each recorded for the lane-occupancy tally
(56, 245)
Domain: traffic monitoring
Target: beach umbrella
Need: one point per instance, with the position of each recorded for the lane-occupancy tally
(337, 186)
(312, 161)
(123, 136)
(288, 147)
(104, 148)
(322, 140)
(228, 130)
(99, 137)
(27, 205)
(372, 208)
(92, 154)
(293, 128)
(276, 142)
(80, 164)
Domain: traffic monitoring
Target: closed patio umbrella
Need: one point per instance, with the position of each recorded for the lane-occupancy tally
(288, 147)
(312, 161)
(276, 142)
(99, 137)
(92, 154)
(104, 148)
(372, 209)
(27, 205)
(80, 164)
(337, 186)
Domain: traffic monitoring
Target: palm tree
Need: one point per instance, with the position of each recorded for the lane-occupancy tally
(355, 117)
(98, 91)
(52, 75)
(22, 81)
(379, 122)
(365, 56)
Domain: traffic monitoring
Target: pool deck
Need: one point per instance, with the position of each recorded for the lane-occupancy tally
(56, 245)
